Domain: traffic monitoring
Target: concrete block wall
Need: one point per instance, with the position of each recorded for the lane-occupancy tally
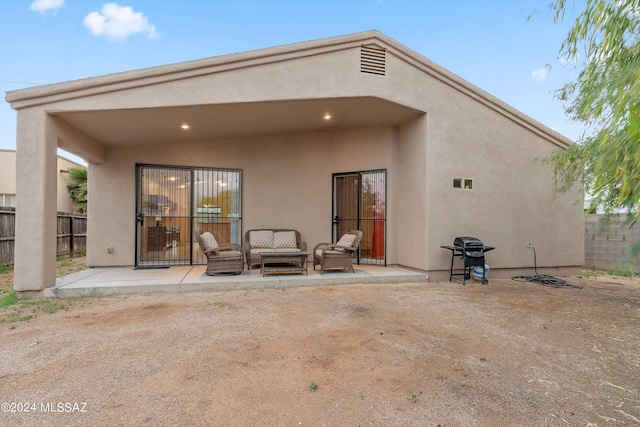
(609, 247)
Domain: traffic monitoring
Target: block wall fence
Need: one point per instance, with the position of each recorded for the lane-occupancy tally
(608, 247)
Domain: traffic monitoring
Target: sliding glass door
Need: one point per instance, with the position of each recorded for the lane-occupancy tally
(172, 201)
(359, 203)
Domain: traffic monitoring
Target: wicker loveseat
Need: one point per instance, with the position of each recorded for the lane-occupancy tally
(225, 258)
(337, 255)
(270, 240)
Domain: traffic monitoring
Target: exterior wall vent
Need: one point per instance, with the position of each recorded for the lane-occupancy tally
(372, 60)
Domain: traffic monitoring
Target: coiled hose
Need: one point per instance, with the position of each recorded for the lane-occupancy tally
(543, 279)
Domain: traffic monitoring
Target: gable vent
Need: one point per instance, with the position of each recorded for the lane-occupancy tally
(372, 60)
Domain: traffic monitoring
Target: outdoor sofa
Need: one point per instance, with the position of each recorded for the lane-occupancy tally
(271, 240)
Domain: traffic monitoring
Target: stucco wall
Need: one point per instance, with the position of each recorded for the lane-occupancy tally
(410, 229)
(455, 131)
(65, 204)
(286, 182)
(8, 178)
(511, 205)
(7, 172)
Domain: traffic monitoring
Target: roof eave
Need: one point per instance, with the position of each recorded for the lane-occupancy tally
(154, 75)
(44, 94)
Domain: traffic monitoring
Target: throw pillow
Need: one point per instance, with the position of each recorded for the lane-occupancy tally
(208, 241)
(261, 238)
(347, 240)
(284, 239)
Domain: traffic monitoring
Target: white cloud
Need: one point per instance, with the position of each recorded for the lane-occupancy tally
(43, 5)
(539, 75)
(119, 22)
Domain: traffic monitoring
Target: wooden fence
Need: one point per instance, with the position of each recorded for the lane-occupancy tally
(71, 231)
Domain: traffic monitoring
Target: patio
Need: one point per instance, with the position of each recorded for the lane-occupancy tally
(128, 281)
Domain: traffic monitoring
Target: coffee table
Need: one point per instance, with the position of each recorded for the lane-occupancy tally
(283, 262)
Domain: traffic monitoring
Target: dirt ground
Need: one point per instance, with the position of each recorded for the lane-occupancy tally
(434, 354)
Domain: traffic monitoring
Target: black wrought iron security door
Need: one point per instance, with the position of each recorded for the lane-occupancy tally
(174, 201)
(359, 203)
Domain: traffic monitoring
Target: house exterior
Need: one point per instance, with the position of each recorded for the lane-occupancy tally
(355, 131)
(8, 181)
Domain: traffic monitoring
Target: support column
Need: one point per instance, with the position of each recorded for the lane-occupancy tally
(36, 199)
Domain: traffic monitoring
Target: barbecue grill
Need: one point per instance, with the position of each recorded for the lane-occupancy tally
(472, 251)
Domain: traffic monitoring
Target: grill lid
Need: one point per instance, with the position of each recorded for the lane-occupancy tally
(468, 242)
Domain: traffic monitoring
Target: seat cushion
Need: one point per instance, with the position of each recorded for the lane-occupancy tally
(256, 251)
(261, 238)
(284, 239)
(329, 253)
(208, 241)
(227, 255)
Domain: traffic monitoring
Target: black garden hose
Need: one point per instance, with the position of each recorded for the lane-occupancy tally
(543, 279)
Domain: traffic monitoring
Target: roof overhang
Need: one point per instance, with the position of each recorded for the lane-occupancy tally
(145, 125)
(206, 122)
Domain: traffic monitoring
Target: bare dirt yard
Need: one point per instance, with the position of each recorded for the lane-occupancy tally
(434, 354)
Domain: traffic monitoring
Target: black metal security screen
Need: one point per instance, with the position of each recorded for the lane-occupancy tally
(359, 203)
(173, 201)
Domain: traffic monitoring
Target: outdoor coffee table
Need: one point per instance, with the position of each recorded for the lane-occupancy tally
(283, 262)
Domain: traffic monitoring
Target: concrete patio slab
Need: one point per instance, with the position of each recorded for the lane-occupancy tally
(127, 280)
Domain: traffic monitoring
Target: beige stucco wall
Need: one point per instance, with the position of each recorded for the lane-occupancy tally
(512, 203)
(36, 230)
(287, 176)
(65, 204)
(7, 171)
(286, 182)
(8, 178)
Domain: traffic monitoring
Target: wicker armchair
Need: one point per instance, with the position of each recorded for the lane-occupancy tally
(337, 255)
(220, 258)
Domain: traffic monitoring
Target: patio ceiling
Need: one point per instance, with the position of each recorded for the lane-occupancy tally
(163, 124)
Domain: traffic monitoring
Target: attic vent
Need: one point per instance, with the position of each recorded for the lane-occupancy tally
(372, 60)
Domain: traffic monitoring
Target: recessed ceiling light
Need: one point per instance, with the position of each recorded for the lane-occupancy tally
(327, 116)
(185, 126)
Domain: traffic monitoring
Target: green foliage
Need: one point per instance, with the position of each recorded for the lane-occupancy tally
(606, 98)
(9, 300)
(591, 272)
(223, 199)
(14, 308)
(78, 190)
(63, 261)
(628, 272)
(372, 194)
(22, 310)
(414, 397)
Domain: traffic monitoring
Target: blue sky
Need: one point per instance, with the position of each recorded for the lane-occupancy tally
(508, 48)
